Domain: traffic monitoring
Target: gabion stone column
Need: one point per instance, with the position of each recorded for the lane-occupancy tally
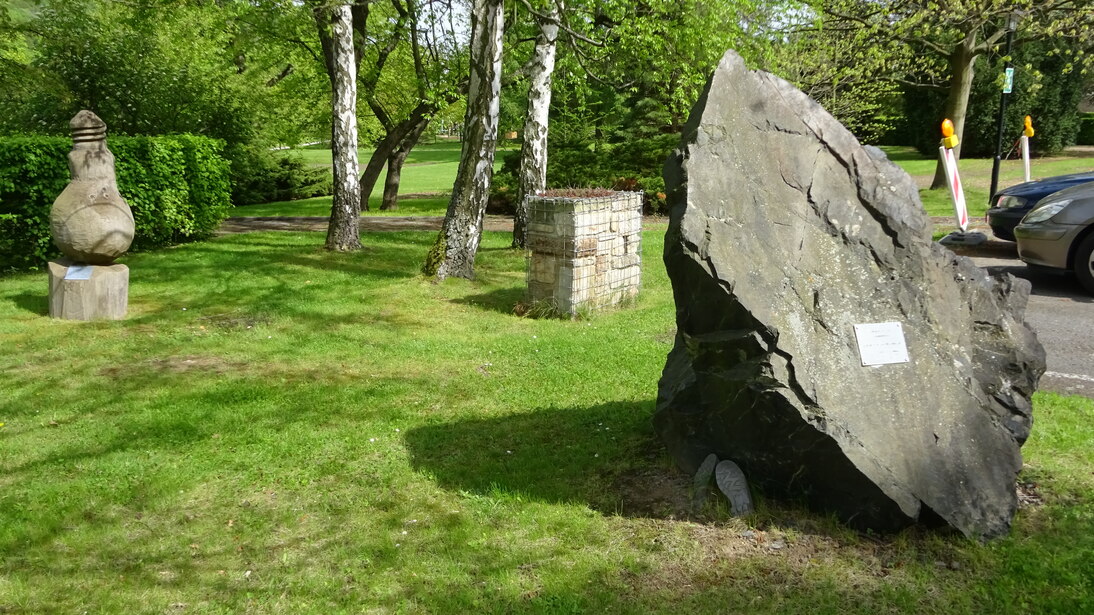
(585, 250)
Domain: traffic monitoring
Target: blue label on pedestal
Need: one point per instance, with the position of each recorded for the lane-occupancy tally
(79, 272)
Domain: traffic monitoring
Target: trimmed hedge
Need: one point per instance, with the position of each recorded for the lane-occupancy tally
(177, 186)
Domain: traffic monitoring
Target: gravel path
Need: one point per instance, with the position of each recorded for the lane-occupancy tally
(248, 224)
(368, 223)
(373, 223)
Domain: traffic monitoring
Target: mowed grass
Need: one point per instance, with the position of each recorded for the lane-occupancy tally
(426, 180)
(431, 169)
(279, 429)
(321, 206)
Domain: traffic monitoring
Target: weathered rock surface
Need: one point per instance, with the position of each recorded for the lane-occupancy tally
(785, 232)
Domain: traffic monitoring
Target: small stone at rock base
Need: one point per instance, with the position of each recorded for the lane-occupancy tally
(701, 483)
(731, 480)
(957, 238)
(104, 295)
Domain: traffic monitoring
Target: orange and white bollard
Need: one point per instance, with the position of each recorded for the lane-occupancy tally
(949, 161)
(960, 209)
(1027, 132)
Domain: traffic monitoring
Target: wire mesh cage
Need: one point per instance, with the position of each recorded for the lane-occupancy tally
(585, 251)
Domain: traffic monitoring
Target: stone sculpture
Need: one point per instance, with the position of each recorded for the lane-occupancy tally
(92, 226)
(784, 234)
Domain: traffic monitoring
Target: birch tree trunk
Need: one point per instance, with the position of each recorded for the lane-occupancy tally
(453, 254)
(343, 234)
(533, 152)
(962, 62)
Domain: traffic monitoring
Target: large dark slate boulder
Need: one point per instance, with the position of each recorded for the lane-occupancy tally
(785, 232)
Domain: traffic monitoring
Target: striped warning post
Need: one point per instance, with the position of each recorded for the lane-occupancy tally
(949, 162)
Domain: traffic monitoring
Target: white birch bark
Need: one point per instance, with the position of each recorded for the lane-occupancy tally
(343, 232)
(533, 152)
(453, 254)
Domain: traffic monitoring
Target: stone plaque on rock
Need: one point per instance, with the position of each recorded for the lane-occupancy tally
(881, 343)
(784, 234)
(79, 272)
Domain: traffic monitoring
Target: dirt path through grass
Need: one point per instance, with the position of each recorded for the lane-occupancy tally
(248, 224)
(368, 223)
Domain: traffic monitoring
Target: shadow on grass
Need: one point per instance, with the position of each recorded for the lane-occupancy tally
(553, 456)
(33, 303)
(223, 423)
(258, 269)
(604, 456)
(235, 519)
(502, 300)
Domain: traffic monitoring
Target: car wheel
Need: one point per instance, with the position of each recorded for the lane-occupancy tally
(1084, 263)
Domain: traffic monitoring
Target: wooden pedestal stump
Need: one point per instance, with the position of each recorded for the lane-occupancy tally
(88, 292)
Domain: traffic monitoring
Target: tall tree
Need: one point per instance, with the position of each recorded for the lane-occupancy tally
(929, 42)
(453, 253)
(395, 165)
(425, 82)
(533, 151)
(343, 233)
(401, 42)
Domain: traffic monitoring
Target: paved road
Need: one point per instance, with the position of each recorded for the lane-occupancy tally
(1063, 316)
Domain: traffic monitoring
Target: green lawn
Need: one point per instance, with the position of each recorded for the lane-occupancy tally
(321, 206)
(280, 429)
(431, 169)
(443, 151)
(427, 177)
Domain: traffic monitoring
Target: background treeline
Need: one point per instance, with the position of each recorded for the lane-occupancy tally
(251, 74)
(1043, 89)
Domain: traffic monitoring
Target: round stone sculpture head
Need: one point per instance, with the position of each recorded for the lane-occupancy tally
(90, 221)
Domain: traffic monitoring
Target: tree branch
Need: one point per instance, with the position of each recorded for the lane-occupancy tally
(544, 17)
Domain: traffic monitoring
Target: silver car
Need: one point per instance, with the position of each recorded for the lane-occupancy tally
(1058, 233)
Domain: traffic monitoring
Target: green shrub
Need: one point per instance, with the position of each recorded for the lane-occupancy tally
(633, 166)
(259, 176)
(1086, 130)
(177, 187)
